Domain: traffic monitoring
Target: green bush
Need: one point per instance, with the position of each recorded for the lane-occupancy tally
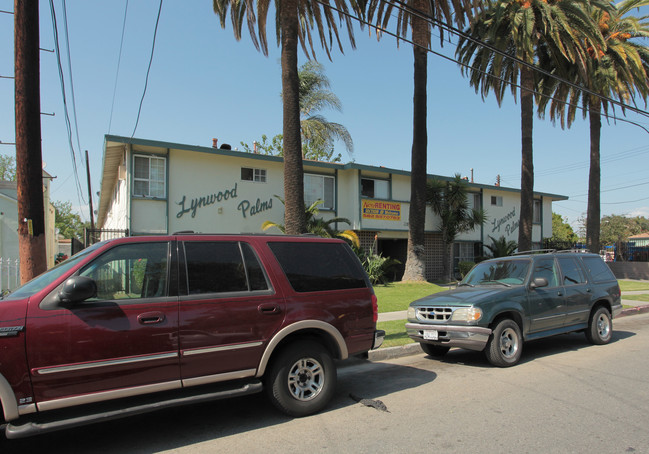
(465, 267)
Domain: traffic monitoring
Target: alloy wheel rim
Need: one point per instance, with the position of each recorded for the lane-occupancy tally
(306, 379)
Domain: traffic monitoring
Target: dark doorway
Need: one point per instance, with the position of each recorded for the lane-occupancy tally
(395, 249)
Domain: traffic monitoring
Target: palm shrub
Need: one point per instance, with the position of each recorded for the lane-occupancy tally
(464, 267)
(501, 247)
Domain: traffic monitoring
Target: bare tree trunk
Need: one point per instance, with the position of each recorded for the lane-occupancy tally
(29, 162)
(527, 161)
(593, 215)
(294, 215)
(415, 262)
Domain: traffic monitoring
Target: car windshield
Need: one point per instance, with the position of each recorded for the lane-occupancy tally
(505, 272)
(43, 280)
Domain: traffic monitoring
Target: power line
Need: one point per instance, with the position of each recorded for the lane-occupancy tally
(65, 106)
(119, 60)
(74, 104)
(146, 82)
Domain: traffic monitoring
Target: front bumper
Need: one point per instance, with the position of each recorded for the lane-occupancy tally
(462, 336)
(379, 336)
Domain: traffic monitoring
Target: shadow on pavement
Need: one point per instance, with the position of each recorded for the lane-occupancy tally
(183, 426)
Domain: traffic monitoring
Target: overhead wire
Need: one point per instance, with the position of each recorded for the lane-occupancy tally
(146, 82)
(119, 60)
(74, 104)
(65, 105)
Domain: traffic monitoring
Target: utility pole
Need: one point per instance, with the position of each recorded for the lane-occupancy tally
(92, 216)
(29, 161)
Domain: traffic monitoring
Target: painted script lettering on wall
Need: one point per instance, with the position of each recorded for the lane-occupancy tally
(377, 209)
(193, 205)
(509, 222)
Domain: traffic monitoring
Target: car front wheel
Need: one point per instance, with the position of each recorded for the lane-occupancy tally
(600, 327)
(302, 379)
(505, 346)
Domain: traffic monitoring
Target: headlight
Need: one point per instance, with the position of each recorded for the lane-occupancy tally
(411, 313)
(467, 314)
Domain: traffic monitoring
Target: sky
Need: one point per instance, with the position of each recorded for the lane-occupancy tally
(204, 84)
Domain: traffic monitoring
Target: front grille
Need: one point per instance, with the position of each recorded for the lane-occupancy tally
(441, 314)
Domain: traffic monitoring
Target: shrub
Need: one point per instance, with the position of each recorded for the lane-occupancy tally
(465, 267)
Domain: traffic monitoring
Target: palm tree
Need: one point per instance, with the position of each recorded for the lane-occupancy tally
(620, 70)
(523, 29)
(450, 202)
(318, 226)
(319, 134)
(414, 15)
(295, 20)
(501, 247)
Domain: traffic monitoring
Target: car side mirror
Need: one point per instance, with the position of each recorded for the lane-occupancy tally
(77, 289)
(538, 282)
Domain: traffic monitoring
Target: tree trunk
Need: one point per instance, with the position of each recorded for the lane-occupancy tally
(415, 262)
(593, 215)
(294, 215)
(29, 161)
(527, 161)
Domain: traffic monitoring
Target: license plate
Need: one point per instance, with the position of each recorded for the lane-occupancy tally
(430, 334)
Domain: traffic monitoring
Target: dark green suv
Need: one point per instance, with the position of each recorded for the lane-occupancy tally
(504, 302)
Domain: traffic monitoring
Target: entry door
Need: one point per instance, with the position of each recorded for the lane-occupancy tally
(120, 343)
(229, 314)
(547, 306)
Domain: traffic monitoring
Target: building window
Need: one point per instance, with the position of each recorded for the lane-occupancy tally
(476, 201)
(375, 189)
(149, 173)
(496, 201)
(250, 174)
(537, 212)
(319, 187)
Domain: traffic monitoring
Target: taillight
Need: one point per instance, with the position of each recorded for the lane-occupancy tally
(375, 308)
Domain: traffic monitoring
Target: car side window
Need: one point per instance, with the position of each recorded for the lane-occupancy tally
(598, 269)
(571, 271)
(222, 267)
(130, 271)
(547, 268)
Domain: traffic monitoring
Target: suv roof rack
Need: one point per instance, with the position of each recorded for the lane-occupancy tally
(581, 250)
(535, 251)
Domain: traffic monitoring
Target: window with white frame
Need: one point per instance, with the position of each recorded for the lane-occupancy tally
(537, 212)
(375, 189)
(476, 201)
(250, 174)
(496, 201)
(149, 174)
(319, 187)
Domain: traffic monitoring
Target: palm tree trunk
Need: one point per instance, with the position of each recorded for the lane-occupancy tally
(593, 214)
(415, 262)
(294, 215)
(527, 161)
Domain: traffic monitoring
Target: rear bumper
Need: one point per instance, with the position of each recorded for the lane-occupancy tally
(469, 337)
(379, 336)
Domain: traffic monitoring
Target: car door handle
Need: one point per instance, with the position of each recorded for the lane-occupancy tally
(559, 294)
(268, 309)
(151, 318)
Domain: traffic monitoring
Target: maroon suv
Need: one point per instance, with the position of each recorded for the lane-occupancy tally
(141, 323)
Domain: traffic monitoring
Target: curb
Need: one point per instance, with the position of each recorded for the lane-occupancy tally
(634, 311)
(413, 349)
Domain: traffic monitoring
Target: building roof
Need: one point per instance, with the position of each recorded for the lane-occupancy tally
(114, 149)
(640, 236)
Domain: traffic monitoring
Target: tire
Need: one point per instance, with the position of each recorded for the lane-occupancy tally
(302, 379)
(436, 351)
(600, 327)
(505, 345)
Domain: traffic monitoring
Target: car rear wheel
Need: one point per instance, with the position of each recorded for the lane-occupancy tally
(600, 327)
(302, 379)
(434, 350)
(505, 346)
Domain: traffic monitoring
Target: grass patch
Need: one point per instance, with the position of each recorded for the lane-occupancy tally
(396, 296)
(395, 333)
(630, 286)
(637, 297)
